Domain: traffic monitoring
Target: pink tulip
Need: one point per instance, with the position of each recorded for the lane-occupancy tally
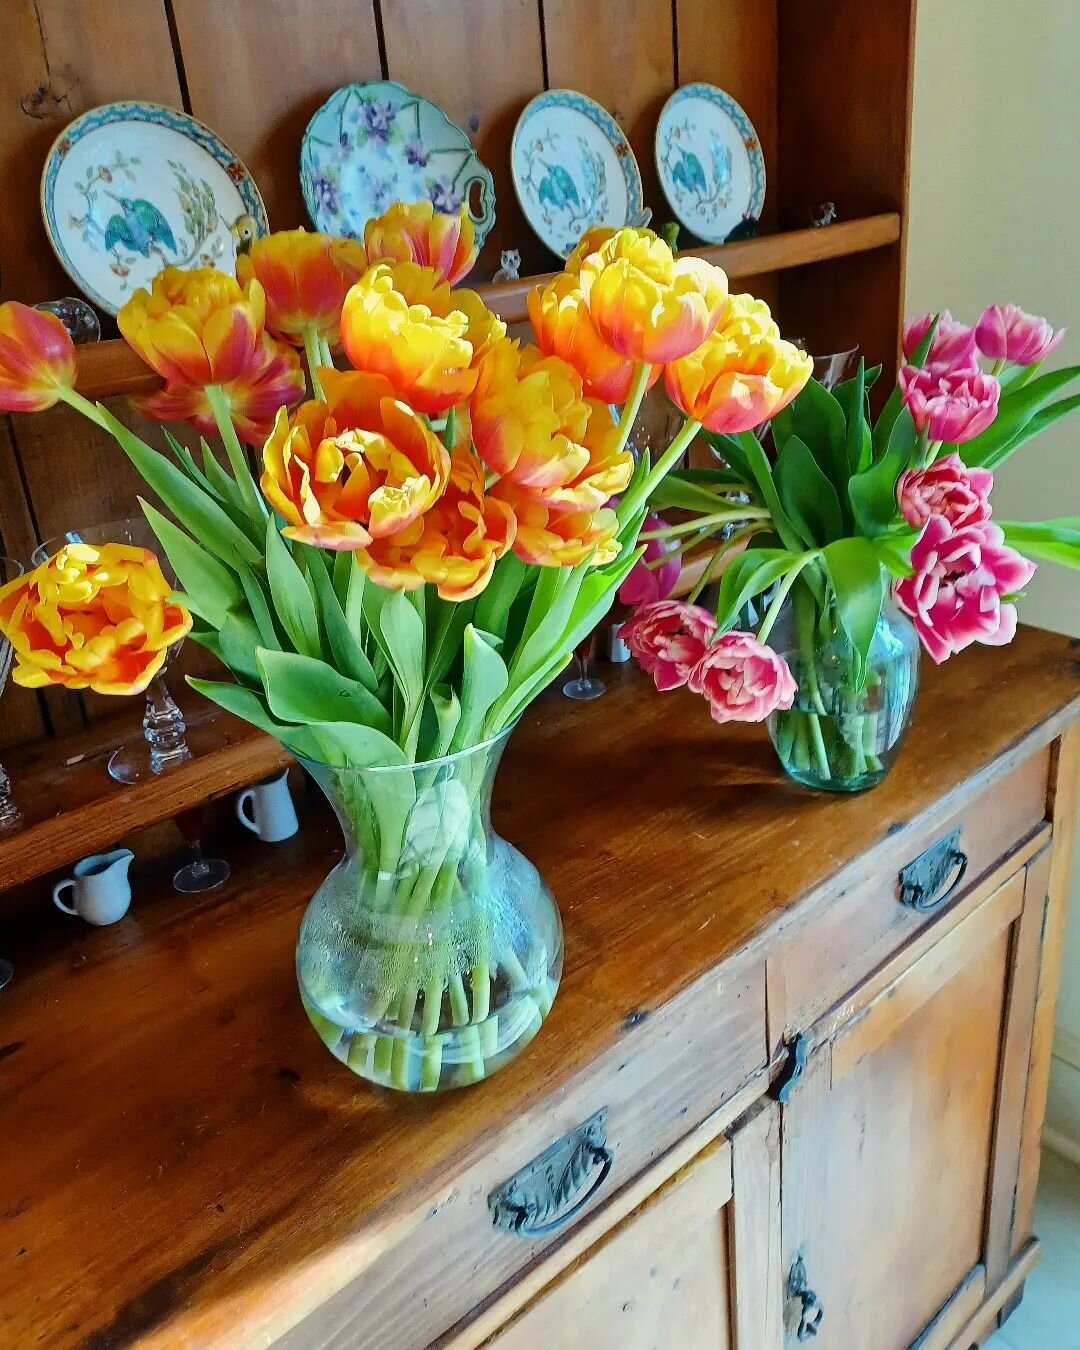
(956, 596)
(949, 405)
(953, 346)
(947, 488)
(668, 638)
(1006, 333)
(646, 585)
(743, 679)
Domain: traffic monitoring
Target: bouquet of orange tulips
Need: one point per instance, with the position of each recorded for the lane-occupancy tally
(433, 530)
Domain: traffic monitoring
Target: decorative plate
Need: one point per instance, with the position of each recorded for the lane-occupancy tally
(573, 168)
(130, 188)
(709, 160)
(371, 145)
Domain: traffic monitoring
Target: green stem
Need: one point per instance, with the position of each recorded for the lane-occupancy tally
(820, 752)
(718, 557)
(638, 389)
(450, 429)
(219, 406)
(633, 500)
(75, 400)
(313, 350)
(700, 522)
(325, 352)
(772, 613)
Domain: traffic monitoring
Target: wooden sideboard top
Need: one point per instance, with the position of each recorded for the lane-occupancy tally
(182, 1158)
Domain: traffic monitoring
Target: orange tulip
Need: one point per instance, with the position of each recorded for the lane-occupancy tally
(92, 617)
(305, 278)
(275, 379)
(647, 304)
(743, 374)
(564, 328)
(359, 466)
(37, 358)
(558, 538)
(196, 327)
(454, 546)
(531, 425)
(401, 322)
(420, 234)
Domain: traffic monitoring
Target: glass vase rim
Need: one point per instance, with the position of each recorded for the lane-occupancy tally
(16, 567)
(414, 765)
(48, 547)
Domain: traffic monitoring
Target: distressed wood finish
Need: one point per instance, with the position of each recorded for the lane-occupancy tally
(757, 1275)
(259, 1183)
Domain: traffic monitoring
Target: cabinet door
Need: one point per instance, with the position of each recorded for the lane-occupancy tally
(895, 1174)
(659, 1279)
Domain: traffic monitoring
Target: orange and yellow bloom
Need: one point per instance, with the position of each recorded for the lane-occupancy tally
(305, 278)
(401, 322)
(92, 617)
(743, 374)
(359, 466)
(564, 328)
(532, 425)
(559, 538)
(454, 546)
(647, 304)
(37, 359)
(420, 234)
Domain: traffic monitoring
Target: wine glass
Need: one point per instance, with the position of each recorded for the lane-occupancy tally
(10, 815)
(163, 745)
(583, 685)
(201, 873)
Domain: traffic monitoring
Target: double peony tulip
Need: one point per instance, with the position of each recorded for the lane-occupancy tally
(946, 488)
(957, 595)
(953, 344)
(418, 233)
(1007, 333)
(37, 359)
(304, 278)
(742, 374)
(92, 617)
(949, 405)
(201, 329)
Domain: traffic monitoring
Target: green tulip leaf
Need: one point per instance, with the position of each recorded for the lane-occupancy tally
(213, 587)
(292, 598)
(855, 575)
(300, 689)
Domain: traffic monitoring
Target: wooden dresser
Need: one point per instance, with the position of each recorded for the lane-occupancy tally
(792, 1087)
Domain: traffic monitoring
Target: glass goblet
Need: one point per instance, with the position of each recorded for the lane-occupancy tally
(201, 873)
(584, 685)
(163, 744)
(9, 812)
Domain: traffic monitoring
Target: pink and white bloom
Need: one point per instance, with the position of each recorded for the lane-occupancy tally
(949, 405)
(947, 488)
(668, 639)
(954, 343)
(743, 679)
(1007, 333)
(957, 595)
(645, 585)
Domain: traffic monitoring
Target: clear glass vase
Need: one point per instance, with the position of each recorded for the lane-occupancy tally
(843, 734)
(430, 956)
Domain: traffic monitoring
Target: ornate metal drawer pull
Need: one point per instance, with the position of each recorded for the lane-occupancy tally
(533, 1202)
(810, 1310)
(922, 880)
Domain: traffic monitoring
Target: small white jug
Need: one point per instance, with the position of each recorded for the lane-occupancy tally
(273, 816)
(100, 887)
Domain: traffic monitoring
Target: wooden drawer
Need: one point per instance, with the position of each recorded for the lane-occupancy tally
(820, 961)
(657, 1084)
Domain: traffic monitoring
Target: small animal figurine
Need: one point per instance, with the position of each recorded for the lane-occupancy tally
(141, 227)
(509, 265)
(244, 231)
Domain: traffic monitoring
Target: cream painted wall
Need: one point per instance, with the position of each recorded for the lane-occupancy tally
(995, 216)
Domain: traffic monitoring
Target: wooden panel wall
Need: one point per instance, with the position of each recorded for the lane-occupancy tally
(824, 81)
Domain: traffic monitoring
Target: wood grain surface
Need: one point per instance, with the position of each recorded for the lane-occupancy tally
(225, 1165)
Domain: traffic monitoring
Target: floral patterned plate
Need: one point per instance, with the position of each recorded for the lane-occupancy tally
(709, 160)
(370, 145)
(130, 188)
(572, 168)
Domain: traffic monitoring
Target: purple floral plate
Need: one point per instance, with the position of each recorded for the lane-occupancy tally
(373, 144)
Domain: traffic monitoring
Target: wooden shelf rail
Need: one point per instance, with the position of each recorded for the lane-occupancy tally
(112, 368)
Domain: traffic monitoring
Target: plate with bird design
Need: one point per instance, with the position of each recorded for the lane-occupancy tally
(573, 168)
(130, 188)
(710, 164)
